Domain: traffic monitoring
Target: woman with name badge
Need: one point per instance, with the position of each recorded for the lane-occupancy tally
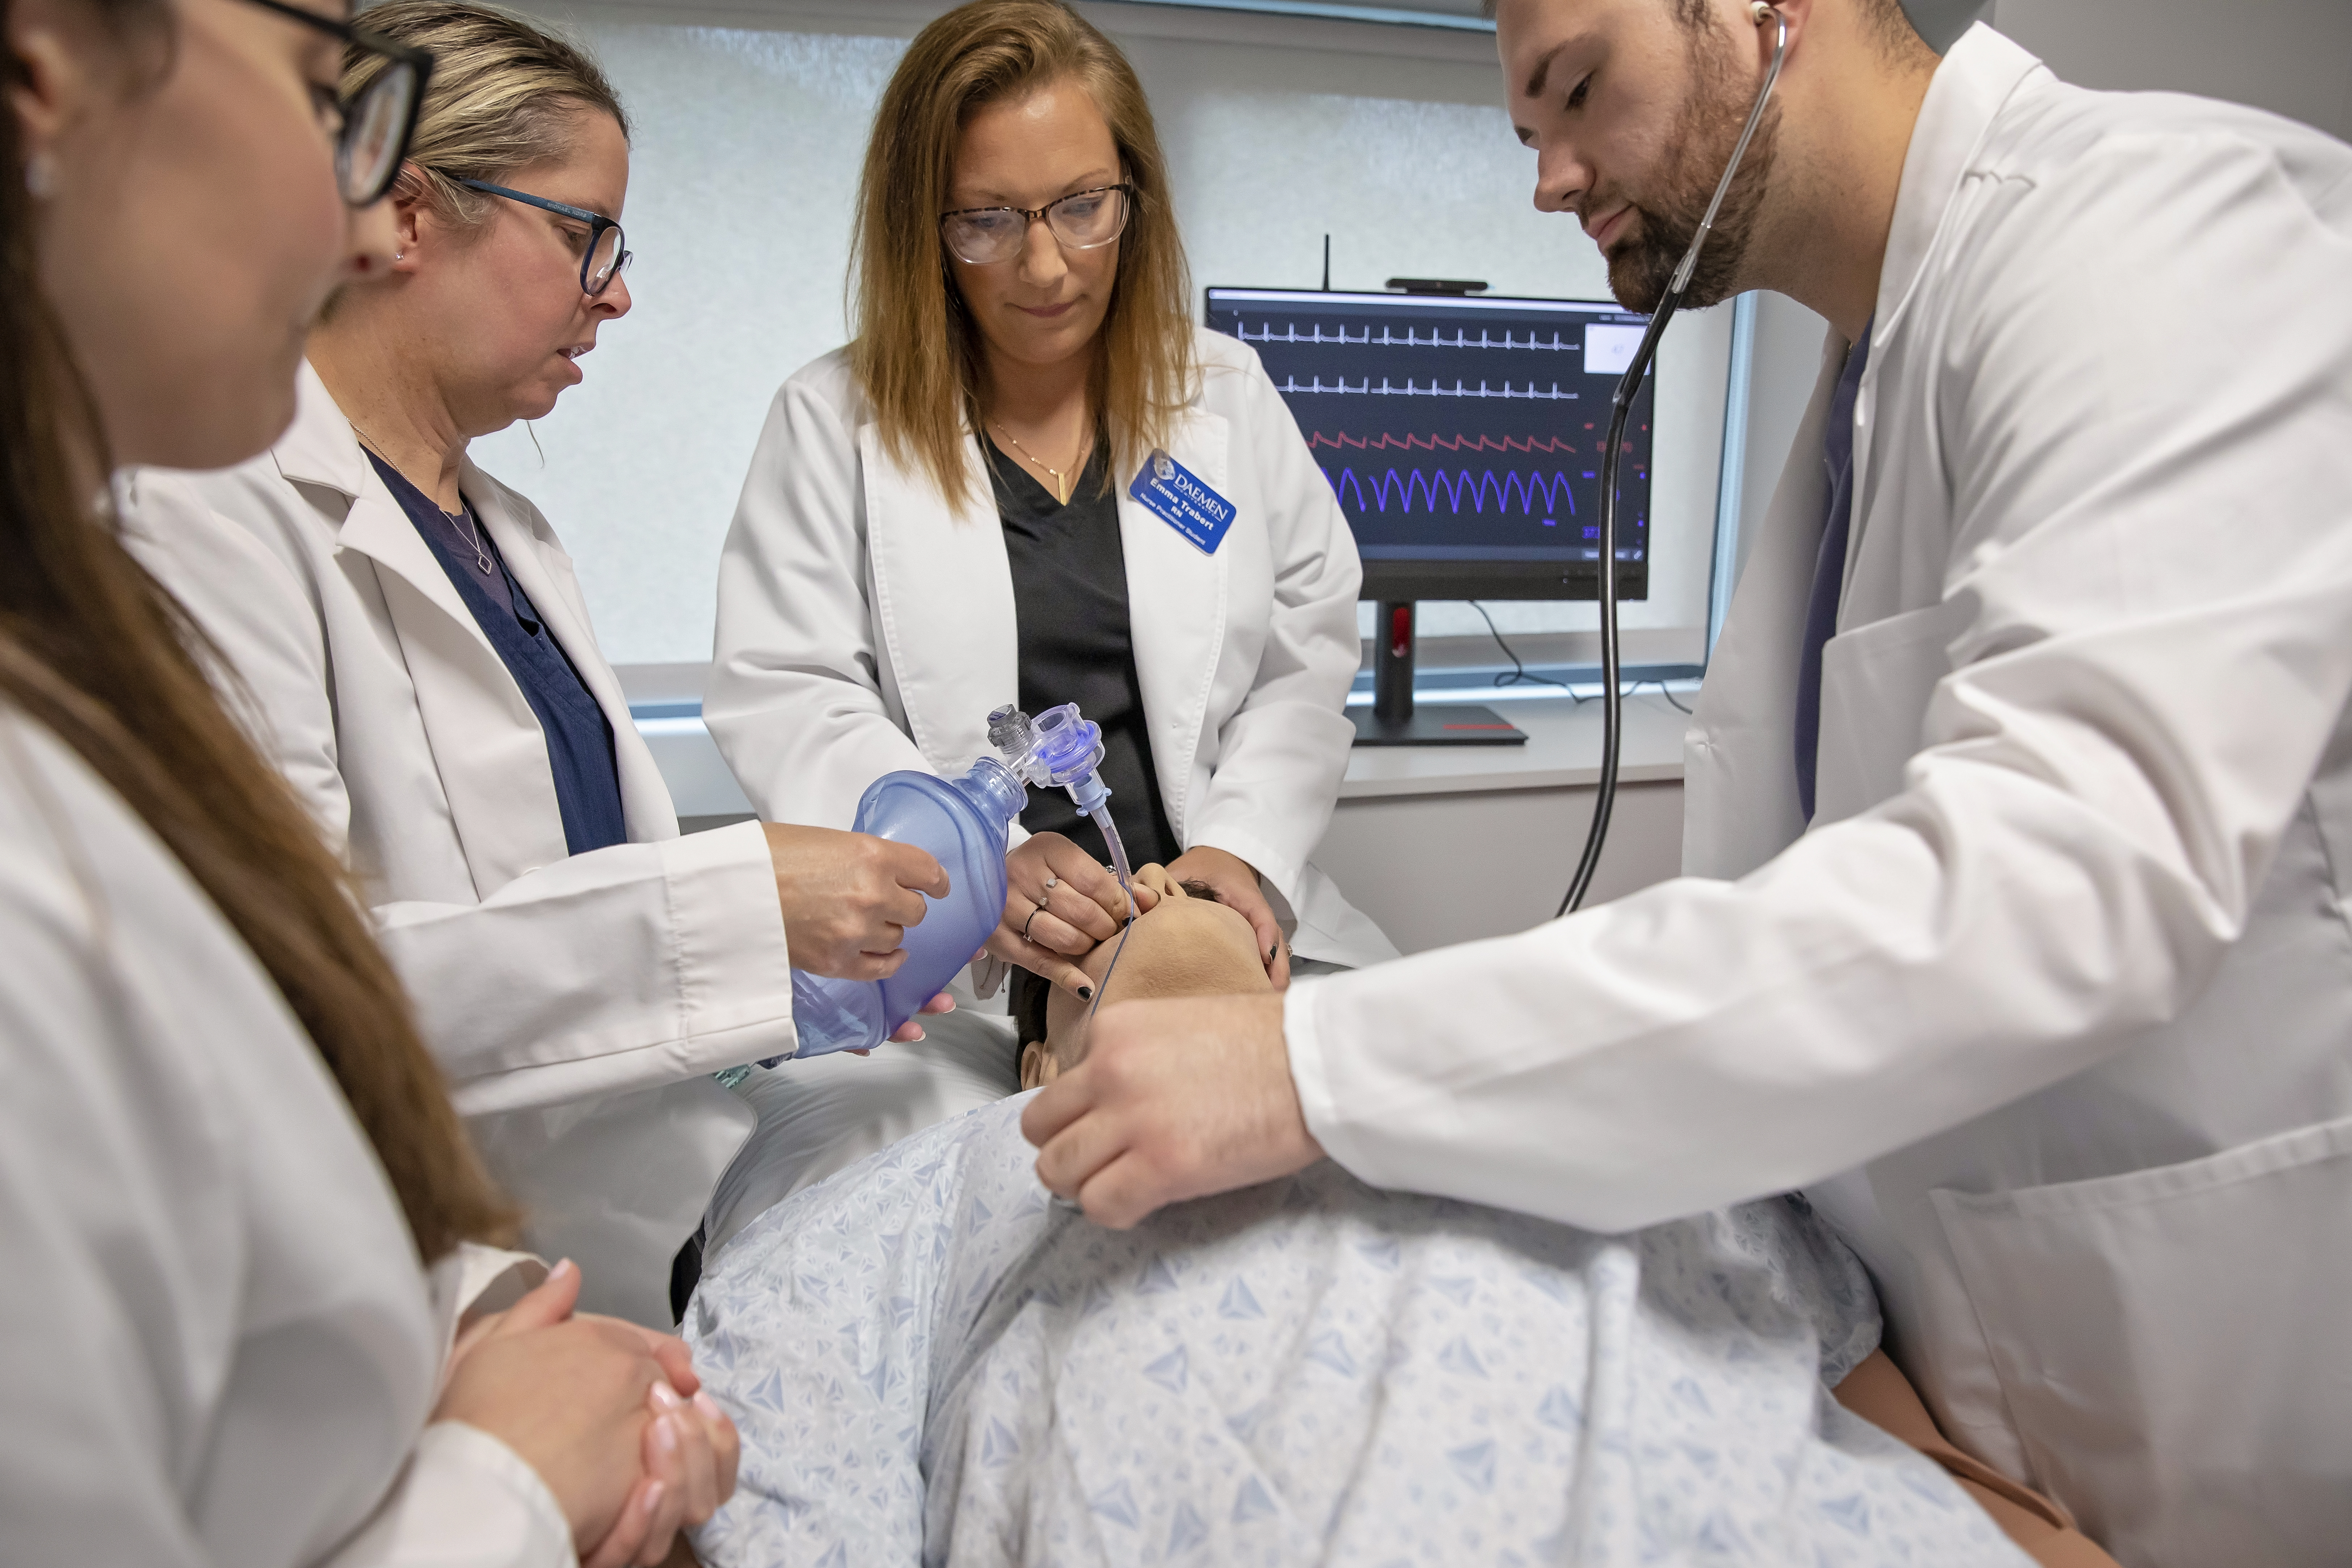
(1031, 479)
(419, 663)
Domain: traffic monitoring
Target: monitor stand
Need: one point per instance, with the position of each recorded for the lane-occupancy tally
(1391, 720)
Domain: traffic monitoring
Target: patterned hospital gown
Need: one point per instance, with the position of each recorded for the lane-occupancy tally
(930, 1359)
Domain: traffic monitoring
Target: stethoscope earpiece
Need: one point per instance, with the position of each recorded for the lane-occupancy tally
(1761, 12)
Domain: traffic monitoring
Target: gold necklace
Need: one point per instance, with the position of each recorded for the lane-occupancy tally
(471, 532)
(1064, 484)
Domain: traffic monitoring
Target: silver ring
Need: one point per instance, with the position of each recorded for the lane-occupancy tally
(1052, 882)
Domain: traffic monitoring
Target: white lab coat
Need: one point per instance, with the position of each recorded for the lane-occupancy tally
(2060, 975)
(217, 1344)
(578, 1003)
(863, 627)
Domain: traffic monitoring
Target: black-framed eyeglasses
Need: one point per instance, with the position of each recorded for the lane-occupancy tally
(1081, 221)
(372, 129)
(604, 260)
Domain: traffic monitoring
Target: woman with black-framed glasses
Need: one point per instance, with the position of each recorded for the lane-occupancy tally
(240, 1222)
(372, 127)
(435, 690)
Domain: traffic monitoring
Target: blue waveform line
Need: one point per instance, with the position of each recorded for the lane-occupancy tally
(1477, 486)
(1412, 339)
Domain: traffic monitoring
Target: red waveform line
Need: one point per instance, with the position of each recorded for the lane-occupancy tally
(1442, 443)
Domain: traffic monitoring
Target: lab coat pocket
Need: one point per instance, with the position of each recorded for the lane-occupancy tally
(2176, 1350)
(1876, 682)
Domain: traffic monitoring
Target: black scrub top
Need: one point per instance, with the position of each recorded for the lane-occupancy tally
(1069, 594)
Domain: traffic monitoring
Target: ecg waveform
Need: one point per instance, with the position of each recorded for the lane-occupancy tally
(1386, 338)
(1493, 453)
(1475, 487)
(1413, 388)
(1440, 442)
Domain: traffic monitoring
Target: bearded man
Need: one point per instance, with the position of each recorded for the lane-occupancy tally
(2013, 926)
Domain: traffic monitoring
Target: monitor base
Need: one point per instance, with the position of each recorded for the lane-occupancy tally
(1437, 725)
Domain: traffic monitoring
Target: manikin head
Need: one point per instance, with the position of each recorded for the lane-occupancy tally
(1187, 944)
(1632, 108)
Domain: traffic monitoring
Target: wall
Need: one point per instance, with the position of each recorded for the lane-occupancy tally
(2292, 56)
(751, 120)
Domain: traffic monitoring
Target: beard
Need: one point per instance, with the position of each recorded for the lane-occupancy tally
(1707, 128)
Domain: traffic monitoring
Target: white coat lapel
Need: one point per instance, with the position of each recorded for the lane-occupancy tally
(1176, 607)
(942, 592)
(1979, 75)
(488, 747)
(1739, 771)
(546, 574)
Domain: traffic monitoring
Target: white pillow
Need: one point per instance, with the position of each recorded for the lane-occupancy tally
(826, 1114)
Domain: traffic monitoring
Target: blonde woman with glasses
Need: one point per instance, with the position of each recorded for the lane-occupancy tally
(1031, 479)
(415, 645)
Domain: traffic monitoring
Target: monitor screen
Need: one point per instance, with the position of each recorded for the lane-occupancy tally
(1461, 435)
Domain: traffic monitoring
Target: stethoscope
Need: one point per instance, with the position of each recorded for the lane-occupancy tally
(1620, 403)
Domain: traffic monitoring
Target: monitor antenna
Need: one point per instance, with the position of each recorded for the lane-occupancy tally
(1327, 264)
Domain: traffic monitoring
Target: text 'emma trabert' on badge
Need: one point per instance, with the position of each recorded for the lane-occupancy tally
(1176, 495)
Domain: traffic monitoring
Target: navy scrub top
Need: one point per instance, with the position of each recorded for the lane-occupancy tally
(579, 736)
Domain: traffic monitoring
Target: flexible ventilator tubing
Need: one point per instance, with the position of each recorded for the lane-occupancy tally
(1620, 403)
(1060, 750)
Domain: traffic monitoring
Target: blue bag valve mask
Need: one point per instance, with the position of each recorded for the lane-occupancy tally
(965, 823)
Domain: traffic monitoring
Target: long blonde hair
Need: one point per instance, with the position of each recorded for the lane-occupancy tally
(917, 351)
(505, 94)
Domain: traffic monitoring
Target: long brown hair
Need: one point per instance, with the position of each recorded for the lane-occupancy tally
(917, 351)
(93, 649)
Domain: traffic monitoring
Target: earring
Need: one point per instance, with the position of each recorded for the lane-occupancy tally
(398, 255)
(41, 175)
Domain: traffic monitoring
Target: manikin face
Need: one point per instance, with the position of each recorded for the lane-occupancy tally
(1632, 114)
(496, 309)
(1045, 305)
(193, 227)
(1187, 944)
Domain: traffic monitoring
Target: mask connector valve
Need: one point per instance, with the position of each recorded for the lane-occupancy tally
(1057, 750)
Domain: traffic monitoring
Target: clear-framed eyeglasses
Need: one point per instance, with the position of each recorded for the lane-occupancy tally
(372, 129)
(1083, 220)
(604, 257)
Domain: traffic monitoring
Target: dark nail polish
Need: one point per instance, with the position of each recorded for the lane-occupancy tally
(1086, 993)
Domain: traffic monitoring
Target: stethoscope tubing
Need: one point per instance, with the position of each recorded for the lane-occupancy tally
(1621, 404)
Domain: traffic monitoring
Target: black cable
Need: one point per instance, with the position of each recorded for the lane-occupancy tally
(1517, 674)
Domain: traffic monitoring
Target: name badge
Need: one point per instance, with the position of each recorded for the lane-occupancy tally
(1177, 496)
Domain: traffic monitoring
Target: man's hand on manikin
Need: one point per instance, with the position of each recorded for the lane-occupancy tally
(1175, 1099)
